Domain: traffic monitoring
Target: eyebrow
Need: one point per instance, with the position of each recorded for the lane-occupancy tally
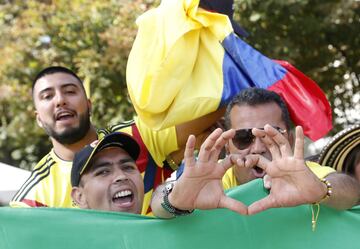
(62, 86)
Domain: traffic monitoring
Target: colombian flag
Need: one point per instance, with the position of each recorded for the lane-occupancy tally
(187, 62)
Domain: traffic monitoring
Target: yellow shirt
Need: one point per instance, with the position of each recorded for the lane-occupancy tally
(229, 179)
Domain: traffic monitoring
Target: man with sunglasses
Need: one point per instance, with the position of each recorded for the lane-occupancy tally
(254, 108)
(264, 142)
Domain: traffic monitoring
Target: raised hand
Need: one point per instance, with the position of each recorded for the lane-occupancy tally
(200, 185)
(292, 182)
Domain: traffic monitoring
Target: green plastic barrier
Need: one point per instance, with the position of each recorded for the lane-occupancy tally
(44, 228)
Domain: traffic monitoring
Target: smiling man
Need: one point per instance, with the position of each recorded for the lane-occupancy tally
(105, 176)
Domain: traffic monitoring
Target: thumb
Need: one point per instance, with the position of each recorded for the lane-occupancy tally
(261, 205)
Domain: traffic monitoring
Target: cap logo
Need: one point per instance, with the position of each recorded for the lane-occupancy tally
(93, 144)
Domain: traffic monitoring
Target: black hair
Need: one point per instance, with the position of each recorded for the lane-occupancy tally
(254, 97)
(53, 70)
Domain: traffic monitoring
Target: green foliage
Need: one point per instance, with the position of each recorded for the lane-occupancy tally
(94, 39)
(91, 37)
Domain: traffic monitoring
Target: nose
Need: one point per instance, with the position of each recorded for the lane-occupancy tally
(60, 99)
(120, 176)
(258, 147)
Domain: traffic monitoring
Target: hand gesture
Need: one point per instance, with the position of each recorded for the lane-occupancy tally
(292, 182)
(200, 186)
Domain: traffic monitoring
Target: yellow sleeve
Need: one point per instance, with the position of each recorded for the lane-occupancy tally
(229, 179)
(159, 143)
(318, 170)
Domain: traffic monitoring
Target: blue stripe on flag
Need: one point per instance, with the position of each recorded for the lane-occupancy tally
(245, 67)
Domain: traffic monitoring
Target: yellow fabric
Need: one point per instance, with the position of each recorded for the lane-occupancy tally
(49, 184)
(229, 179)
(178, 79)
(159, 143)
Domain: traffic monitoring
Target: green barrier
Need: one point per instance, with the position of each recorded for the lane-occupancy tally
(44, 228)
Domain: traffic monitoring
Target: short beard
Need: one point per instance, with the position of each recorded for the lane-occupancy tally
(71, 135)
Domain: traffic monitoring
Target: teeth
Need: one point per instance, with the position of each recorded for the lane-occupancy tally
(123, 193)
(64, 114)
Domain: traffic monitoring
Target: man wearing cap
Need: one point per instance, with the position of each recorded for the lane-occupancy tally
(105, 177)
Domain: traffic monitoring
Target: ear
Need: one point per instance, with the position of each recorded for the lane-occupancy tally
(78, 197)
(38, 120)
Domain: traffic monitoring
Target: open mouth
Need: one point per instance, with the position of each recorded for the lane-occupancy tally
(123, 198)
(64, 115)
(258, 172)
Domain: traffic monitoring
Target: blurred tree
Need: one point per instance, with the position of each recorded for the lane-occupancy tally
(91, 37)
(321, 38)
(94, 39)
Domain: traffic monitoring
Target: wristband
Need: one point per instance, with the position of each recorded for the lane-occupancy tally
(167, 205)
(329, 189)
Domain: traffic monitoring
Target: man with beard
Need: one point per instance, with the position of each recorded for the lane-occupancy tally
(63, 111)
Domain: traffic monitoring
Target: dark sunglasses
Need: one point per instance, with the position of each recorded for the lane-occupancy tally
(244, 138)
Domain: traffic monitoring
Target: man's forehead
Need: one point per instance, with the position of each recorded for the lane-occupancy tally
(250, 116)
(55, 80)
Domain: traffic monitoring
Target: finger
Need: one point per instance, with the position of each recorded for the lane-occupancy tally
(261, 205)
(267, 181)
(189, 158)
(251, 161)
(238, 160)
(258, 160)
(269, 143)
(279, 138)
(299, 143)
(220, 143)
(229, 161)
(207, 146)
(234, 205)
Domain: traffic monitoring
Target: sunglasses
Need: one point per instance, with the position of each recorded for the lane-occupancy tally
(244, 138)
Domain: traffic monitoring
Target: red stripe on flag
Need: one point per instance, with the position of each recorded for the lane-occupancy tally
(307, 103)
(142, 160)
